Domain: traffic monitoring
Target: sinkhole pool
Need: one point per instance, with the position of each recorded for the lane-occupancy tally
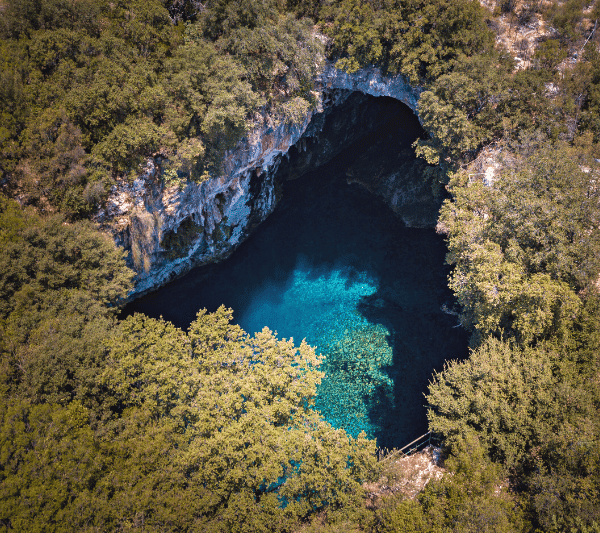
(335, 266)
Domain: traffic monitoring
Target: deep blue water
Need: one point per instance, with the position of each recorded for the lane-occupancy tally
(334, 265)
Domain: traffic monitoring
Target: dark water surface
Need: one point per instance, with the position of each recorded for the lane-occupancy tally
(334, 265)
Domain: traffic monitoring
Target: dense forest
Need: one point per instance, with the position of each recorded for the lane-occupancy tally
(135, 425)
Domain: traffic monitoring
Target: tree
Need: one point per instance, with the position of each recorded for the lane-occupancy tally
(208, 430)
(243, 406)
(59, 284)
(50, 254)
(502, 394)
(421, 40)
(472, 496)
(460, 110)
(523, 245)
(535, 411)
(208, 98)
(589, 97)
(356, 35)
(567, 17)
(48, 463)
(280, 55)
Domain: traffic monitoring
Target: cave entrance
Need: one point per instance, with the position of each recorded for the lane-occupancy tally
(338, 266)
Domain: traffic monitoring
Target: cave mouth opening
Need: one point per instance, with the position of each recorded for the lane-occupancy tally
(336, 266)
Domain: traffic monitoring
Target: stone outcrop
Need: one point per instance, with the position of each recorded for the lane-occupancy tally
(372, 82)
(169, 230)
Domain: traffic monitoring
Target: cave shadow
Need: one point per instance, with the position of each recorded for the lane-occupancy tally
(422, 338)
(323, 227)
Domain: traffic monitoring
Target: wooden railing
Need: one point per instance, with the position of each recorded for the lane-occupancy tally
(416, 445)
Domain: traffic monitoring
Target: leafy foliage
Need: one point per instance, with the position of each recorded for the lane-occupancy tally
(280, 55)
(206, 427)
(90, 92)
(475, 497)
(524, 245)
(56, 282)
(536, 410)
(50, 255)
(48, 462)
(567, 18)
(586, 82)
(502, 394)
(421, 40)
(140, 426)
(460, 109)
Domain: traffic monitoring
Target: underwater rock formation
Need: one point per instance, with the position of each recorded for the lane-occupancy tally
(169, 230)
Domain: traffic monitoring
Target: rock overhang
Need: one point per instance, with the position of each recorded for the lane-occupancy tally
(141, 214)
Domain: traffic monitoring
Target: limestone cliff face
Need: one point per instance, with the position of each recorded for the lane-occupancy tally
(169, 230)
(371, 81)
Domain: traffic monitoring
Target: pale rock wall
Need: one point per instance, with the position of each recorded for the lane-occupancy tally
(169, 230)
(371, 81)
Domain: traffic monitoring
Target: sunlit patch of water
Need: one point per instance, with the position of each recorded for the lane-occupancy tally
(323, 309)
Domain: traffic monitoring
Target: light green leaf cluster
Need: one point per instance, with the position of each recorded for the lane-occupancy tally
(57, 282)
(498, 295)
(534, 411)
(462, 110)
(207, 430)
(48, 460)
(422, 39)
(501, 393)
(355, 32)
(523, 245)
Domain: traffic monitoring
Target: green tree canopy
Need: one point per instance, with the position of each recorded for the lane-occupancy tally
(208, 430)
(502, 394)
(535, 411)
(59, 285)
(421, 40)
(244, 405)
(523, 245)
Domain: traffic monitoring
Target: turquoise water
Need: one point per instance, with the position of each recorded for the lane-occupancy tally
(323, 309)
(335, 266)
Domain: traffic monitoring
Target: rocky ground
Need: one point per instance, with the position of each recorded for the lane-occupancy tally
(406, 474)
